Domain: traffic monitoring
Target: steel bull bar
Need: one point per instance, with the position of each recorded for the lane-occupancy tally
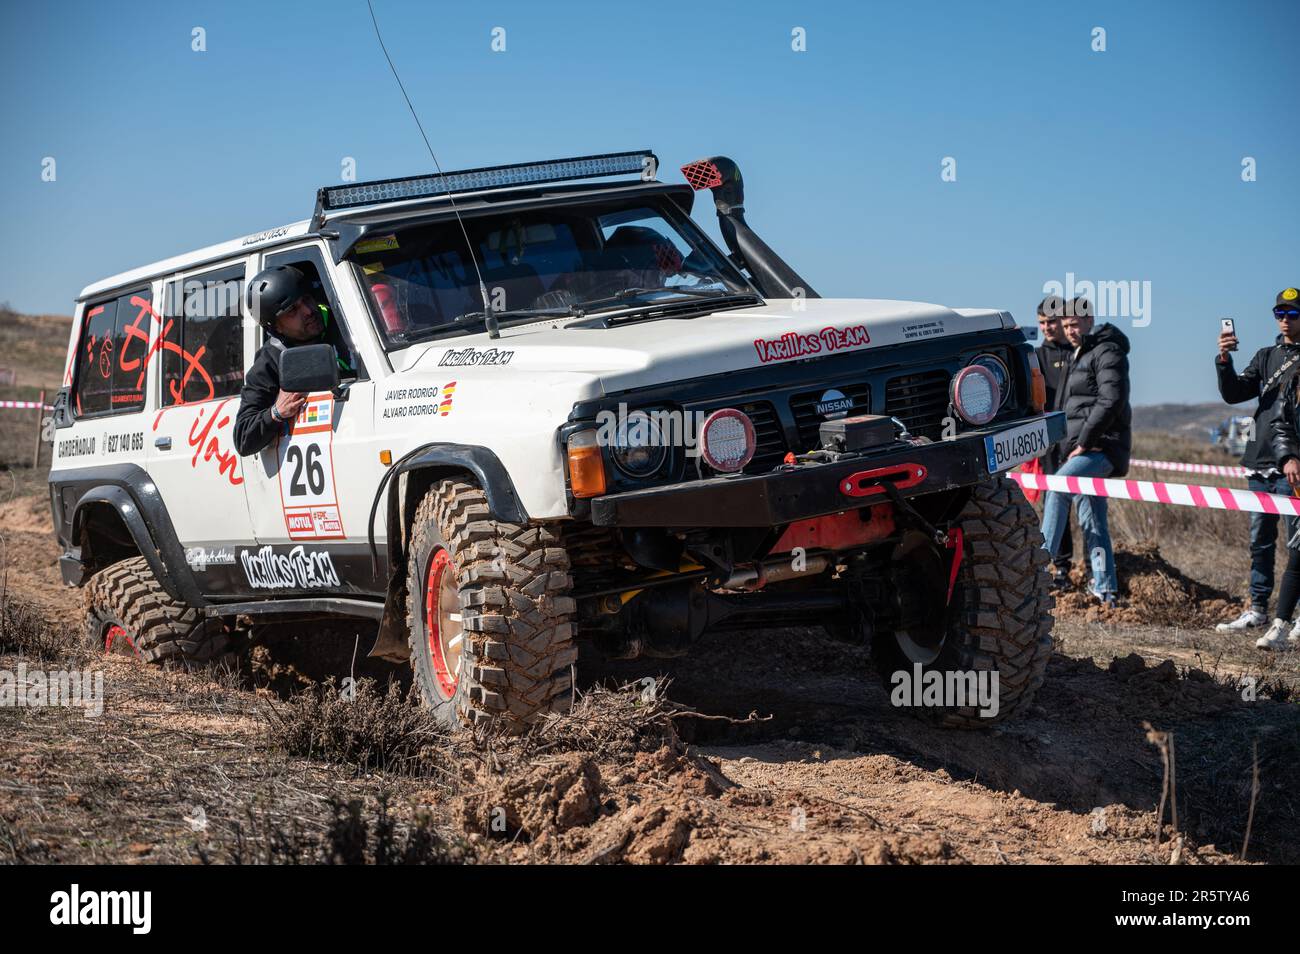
(801, 491)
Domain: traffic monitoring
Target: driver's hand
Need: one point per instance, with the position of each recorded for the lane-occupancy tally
(1292, 470)
(289, 403)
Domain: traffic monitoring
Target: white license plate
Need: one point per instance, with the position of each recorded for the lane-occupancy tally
(1015, 446)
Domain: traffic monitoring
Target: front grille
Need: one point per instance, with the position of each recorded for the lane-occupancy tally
(920, 401)
(771, 448)
(804, 407)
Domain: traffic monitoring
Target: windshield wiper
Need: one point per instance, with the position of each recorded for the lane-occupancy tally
(655, 310)
(630, 293)
(478, 318)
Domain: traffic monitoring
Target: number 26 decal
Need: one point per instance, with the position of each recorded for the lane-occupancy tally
(315, 472)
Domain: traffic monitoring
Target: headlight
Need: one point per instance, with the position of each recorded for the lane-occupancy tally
(975, 394)
(1000, 374)
(727, 440)
(638, 449)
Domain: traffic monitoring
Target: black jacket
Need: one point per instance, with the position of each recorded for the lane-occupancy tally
(1095, 396)
(254, 426)
(1268, 377)
(1053, 361)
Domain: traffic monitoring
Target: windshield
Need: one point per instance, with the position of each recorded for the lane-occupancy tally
(539, 264)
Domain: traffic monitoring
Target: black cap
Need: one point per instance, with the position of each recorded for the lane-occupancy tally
(1288, 297)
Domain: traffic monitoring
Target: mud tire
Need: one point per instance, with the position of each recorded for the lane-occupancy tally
(516, 649)
(127, 610)
(1001, 615)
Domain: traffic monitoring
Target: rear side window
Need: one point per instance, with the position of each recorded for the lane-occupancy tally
(113, 354)
(203, 348)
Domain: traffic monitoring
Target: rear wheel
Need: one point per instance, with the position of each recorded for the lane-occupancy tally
(489, 613)
(998, 619)
(128, 612)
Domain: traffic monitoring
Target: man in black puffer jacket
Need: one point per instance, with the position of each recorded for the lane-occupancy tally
(1098, 440)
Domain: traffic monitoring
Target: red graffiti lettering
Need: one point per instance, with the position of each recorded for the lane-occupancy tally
(106, 358)
(210, 446)
(134, 332)
(192, 365)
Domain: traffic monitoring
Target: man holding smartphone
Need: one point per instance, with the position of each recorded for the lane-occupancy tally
(1263, 379)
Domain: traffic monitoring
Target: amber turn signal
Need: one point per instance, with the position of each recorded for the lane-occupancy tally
(1037, 390)
(586, 465)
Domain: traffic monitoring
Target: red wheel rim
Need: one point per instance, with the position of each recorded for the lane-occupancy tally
(442, 621)
(113, 639)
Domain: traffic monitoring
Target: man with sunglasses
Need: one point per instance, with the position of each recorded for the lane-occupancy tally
(1264, 379)
(280, 299)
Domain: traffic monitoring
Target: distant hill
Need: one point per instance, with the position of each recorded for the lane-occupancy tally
(1188, 420)
(34, 346)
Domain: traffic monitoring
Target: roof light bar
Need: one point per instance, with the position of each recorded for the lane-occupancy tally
(491, 177)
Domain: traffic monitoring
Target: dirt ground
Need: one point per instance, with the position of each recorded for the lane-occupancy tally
(774, 746)
(778, 746)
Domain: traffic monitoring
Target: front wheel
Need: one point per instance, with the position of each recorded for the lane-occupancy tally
(998, 620)
(489, 614)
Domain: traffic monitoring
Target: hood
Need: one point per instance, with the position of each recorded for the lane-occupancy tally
(646, 353)
(1106, 334)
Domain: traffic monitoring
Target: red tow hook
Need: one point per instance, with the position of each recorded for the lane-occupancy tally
(955, 544)
(867, 482)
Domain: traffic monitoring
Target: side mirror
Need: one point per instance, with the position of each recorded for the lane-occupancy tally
(309, 368)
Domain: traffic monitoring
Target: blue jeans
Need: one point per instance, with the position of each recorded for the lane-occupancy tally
(1263, 541)
(1092, 520)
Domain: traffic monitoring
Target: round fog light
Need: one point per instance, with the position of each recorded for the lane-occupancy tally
(975, 394)
(727, 440)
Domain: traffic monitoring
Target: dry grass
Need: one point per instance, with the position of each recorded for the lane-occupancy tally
(355, 833)
(24, 631)
(363, 728)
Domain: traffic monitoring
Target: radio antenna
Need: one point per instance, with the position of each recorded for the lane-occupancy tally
(489, 316)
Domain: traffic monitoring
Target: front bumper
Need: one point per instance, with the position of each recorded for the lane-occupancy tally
(800, 492)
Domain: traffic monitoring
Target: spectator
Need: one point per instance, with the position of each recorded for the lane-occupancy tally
(1098, 440)
(1266, 378)
(1053, 358)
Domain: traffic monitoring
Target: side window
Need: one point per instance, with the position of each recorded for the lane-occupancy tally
(203, 347)
(113, 354)
(312, 265)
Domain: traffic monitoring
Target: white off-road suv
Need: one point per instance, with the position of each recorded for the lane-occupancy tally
(564, 416)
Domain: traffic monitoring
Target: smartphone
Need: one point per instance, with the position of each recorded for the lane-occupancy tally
(1227, 327)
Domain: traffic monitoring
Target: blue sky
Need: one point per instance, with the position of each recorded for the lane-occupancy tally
(1122, 165)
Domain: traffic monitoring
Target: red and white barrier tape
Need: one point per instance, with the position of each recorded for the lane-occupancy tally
(25, 404)
(1184, 495)
(1218, 470)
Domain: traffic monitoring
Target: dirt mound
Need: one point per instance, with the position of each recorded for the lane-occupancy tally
(1152, 592)
(609, 782)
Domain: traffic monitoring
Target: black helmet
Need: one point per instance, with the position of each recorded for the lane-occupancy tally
(272, 290)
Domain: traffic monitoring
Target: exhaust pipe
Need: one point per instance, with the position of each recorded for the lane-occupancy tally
(774, 278)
